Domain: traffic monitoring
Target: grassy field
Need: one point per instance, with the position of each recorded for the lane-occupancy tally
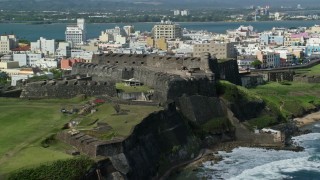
(315, 70)
(24, 124)
(121, 123)
(291, 98)
(128, 89)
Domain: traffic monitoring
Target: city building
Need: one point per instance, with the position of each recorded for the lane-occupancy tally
(242, 31)
(222, 50)
(64, 49)
(271, 39)
(176, 12)
(76, 33)
(129, 30)
(7, 43)
(27, 59)
(45, 63)
(269, 59)
(185, 12)
(66, 64)
(167, 29)
(47, 47)
(105, 37)
(9, 65)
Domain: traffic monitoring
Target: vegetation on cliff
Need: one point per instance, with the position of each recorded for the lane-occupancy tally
(272, 103)
(70, 169)
(291, 99)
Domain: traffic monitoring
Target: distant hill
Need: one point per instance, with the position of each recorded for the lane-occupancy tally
(140, 4)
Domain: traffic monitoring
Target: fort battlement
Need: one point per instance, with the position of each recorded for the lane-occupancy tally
(167, 62)
(67, 89)
(90, 145)
(171, 77)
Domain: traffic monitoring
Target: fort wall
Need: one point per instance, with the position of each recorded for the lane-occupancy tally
(67, 89)
(170, 86)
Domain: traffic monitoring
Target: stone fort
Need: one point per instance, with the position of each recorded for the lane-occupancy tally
(171, 77)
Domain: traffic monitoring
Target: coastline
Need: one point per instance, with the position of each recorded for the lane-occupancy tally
(212, 152)
(307, 119)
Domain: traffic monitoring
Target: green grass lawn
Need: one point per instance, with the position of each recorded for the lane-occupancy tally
(129, 89)
(121, 123)
(290, 99)
(313, 71)
(24, 123)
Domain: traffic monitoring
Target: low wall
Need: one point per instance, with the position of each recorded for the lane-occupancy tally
(67, 89)
(89, 145)
(305, 79)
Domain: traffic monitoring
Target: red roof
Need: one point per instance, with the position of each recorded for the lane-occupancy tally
(22, 48)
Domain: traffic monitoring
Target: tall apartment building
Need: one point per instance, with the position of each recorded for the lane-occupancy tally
(76, 33)
(222, 50)
(48, 47)
(167, 29)
(185, 12)
(7, 42)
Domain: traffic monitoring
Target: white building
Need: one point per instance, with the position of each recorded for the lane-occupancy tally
(7, 42)
(185, 12)
(45, 63)
(64, 49)
(76, 33)
(105, 37)
(27, 59)
(48, 47)
(120, 39)
(79, 53)
(176, 12)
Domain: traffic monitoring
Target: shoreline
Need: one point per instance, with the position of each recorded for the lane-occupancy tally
(307, 119)
(213, 152)
(68, 22)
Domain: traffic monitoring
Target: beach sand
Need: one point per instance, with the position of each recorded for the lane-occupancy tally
(308, 119)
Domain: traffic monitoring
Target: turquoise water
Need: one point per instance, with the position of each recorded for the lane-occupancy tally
(56, 30)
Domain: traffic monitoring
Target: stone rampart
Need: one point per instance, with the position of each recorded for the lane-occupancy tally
(228, 70)
(162, 62)
(306, 79)
(281, 76)
(170, 86)
(103, 72)
(89, 145)
(67, 89)
(120, 59)
(171, 77)
(201, 109)
(178, 63)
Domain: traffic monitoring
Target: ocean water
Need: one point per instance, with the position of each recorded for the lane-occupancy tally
(255, 163)
(56, 30)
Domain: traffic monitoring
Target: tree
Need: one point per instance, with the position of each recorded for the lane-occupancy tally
(3, 78)
(256, 64)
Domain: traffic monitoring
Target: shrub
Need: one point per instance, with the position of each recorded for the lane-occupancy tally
(71, 169)
(48, 141)
(263, 121)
